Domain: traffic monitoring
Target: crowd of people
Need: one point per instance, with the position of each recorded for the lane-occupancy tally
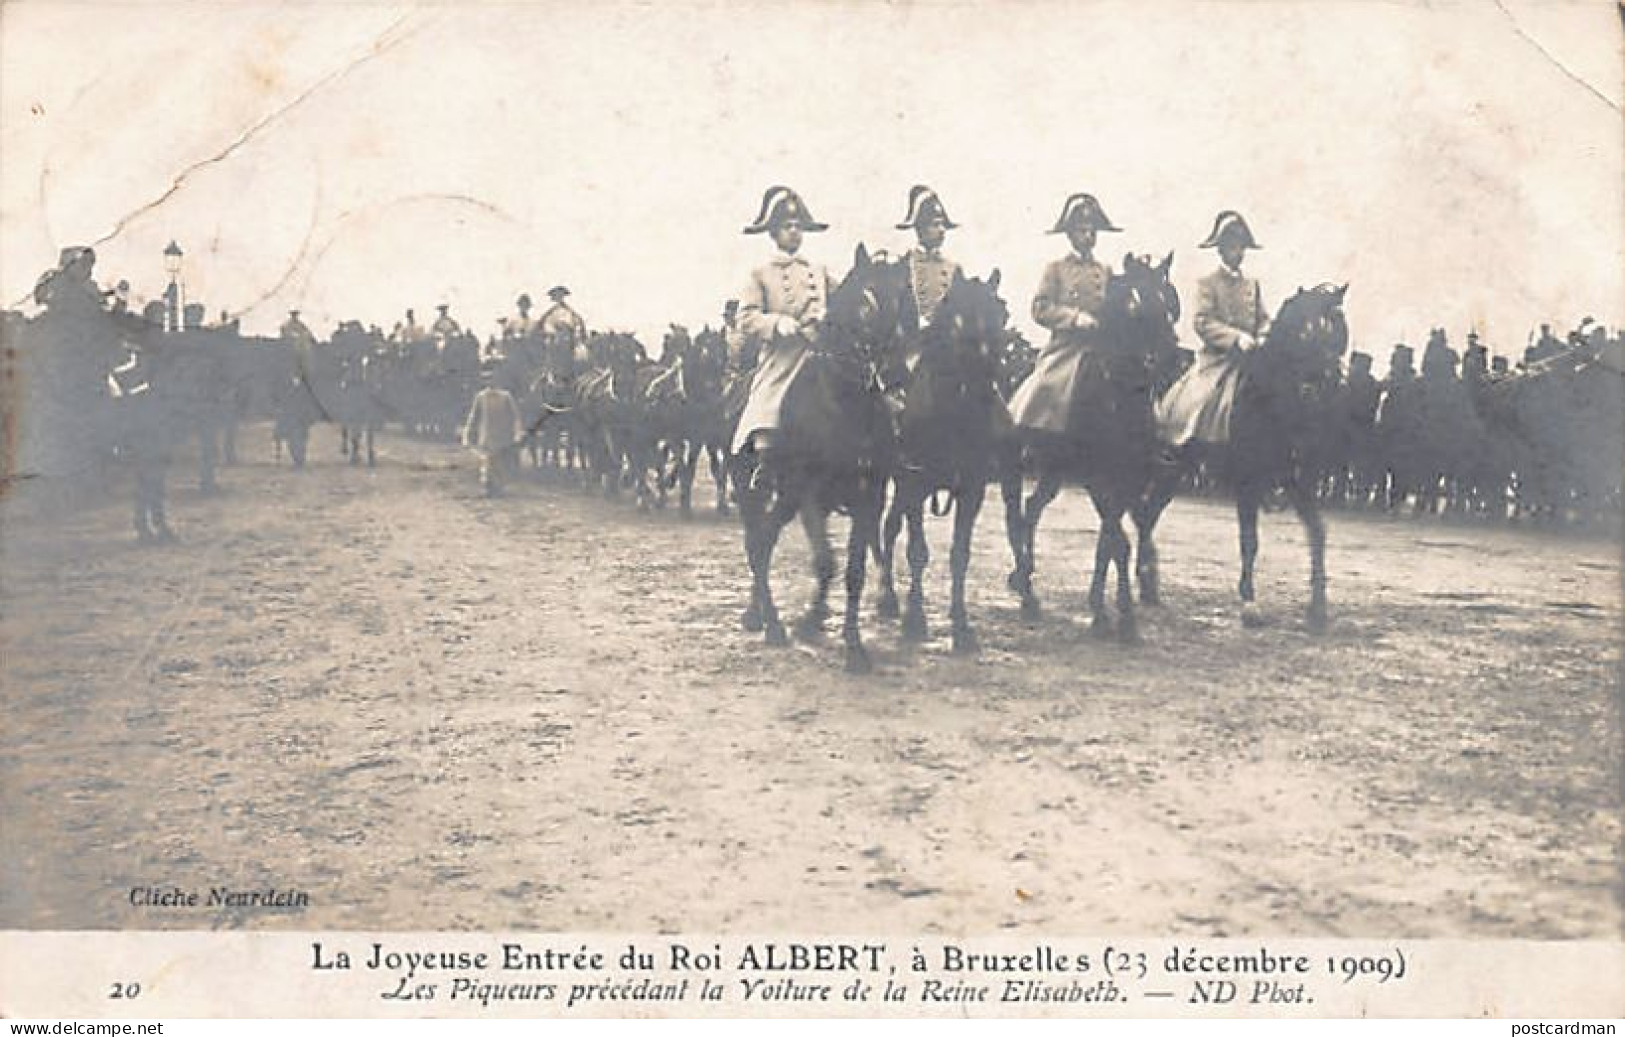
(93, 383)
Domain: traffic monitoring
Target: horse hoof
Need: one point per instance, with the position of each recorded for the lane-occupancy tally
(1251, 617)
(887, 608)
(775, 636)
(965, 642)
(857, 661)
(1101, 626)
(1150, 591)
(915, 628)
(809, 628)
(1129, 634)
(1031, 611)
(1317, 619)
(751, 621)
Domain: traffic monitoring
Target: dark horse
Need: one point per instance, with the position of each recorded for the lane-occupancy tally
(1110, 444)
(951, 429)
(835, 454)
(1280, 426)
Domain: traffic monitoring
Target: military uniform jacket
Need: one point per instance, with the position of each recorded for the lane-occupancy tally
(1229, 305)
(519, 326)
(930, 274)
(1069, 287)
(788, 287)
(560, 318)
(302, 338)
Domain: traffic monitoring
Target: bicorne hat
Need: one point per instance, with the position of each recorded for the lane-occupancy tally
(557, 292)
(1227, 223)
(1083, 210)
(923, 207)
(779, 205)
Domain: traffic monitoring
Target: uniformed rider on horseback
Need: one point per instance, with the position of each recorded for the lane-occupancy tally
(930, 272)
(1230, 320)
(779, 310)
(1069, 296)
(562, 328)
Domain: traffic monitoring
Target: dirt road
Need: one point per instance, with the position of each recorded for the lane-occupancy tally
(427, 710)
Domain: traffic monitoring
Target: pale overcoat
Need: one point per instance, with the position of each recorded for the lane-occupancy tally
(1229, 305)
(493, 422)
(779, 296)
(1070, 287)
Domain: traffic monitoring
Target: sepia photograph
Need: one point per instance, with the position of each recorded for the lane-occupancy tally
(835, 475)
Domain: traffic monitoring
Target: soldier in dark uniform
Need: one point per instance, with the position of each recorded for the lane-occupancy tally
(1399, 426)
(445, 327)
(1359, 397)
(296, 333)
(294, 403)
(73, 348)
(147, 424)
(1548, 346)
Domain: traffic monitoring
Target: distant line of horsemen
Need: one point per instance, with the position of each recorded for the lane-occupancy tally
(1457, 433)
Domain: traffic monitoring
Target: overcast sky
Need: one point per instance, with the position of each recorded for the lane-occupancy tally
(1458, 164)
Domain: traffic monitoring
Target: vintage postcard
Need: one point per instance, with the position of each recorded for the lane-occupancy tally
(839, 508)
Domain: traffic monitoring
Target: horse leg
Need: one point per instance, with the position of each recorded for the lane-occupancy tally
(815, 522)
(689, 458)
(1147, 513)
(1128, 626)
(1015, 527)
(718, 461)
(372, 452)
(762, 528)
(967, 506)
(1105, 552)
(658, 456)
(1247, 500)
(886, 550)
(919, 556)
(1315, 528)
(1048, 488)
(865, 528)
(753, 519)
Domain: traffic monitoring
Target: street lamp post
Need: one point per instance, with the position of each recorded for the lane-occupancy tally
(172, 295)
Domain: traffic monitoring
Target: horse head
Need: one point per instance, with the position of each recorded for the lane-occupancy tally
(707, 359)
(966, 337)
(1138, 315)
(676, 344)
(1310, 328)
(865, 315)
